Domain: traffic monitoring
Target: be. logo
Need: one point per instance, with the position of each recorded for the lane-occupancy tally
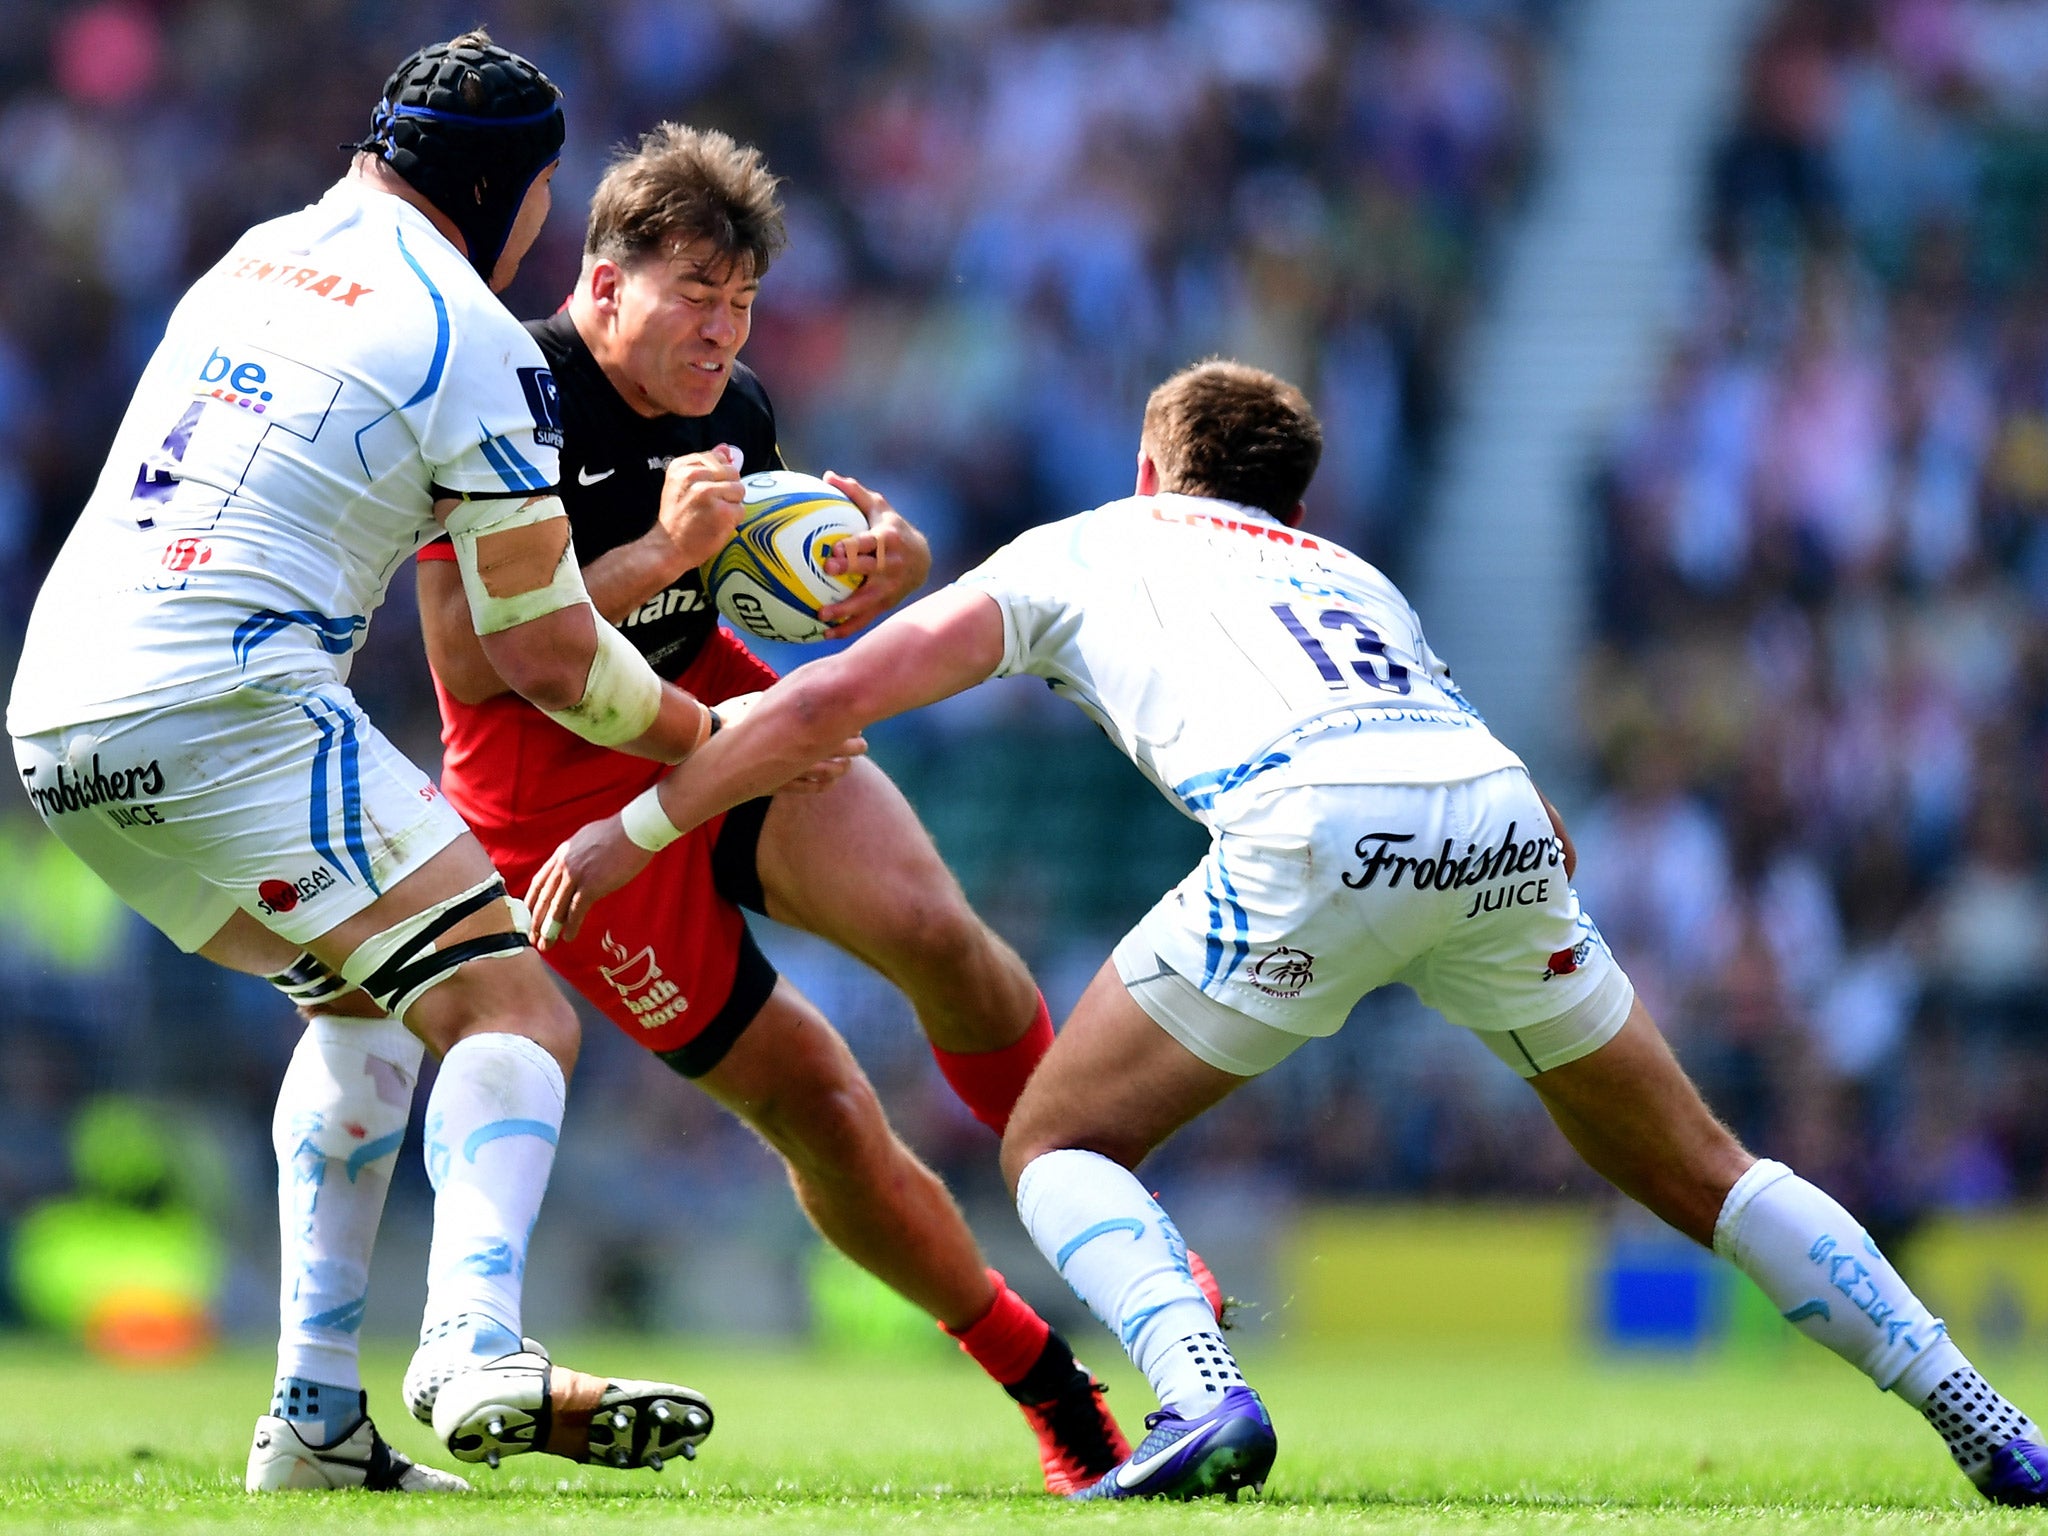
(234, 383)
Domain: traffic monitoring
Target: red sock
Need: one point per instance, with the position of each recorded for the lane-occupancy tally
(988, 1082)
(1008, 1338)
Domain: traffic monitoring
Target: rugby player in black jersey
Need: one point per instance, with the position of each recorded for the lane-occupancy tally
(660, 421)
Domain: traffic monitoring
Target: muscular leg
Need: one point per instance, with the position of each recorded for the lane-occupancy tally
(1630, 1111)
(337, 1131)
(507, 1038)
(1114, 1083)
(337, 1128)
(791, 1078)
(339, 1124)
(1113, 1086)
(855, 866)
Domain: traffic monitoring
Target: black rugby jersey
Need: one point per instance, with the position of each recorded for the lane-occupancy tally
(613, 459)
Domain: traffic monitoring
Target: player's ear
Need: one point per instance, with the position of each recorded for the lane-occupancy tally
(603, 279)
(1293, 519)
(1148, 475)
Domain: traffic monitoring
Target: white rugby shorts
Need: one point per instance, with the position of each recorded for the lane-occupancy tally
(283, 801)
(1318, 894)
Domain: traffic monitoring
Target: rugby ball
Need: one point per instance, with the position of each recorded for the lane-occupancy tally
(770, 579)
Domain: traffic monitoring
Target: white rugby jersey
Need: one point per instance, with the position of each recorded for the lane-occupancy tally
(1222, 650)
(314, 394)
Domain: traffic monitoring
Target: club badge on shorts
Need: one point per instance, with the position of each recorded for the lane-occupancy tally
(1284, 972)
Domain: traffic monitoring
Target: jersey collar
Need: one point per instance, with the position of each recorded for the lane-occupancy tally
(1235, 508)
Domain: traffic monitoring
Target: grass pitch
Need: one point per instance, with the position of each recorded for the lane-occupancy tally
(1418, 1443)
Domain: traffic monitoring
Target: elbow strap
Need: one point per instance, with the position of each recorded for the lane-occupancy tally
(621, 697)
(621, 694)
(474, 521)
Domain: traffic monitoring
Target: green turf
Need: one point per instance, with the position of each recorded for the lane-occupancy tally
(1420, 1443)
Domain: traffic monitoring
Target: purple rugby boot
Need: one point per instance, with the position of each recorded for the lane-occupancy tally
(2018, 1474)
(1228, 1448)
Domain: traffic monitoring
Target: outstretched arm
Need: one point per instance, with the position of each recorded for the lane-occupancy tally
(930, 651)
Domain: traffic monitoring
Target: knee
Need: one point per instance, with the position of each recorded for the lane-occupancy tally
(1043, 1125)
(831, 1131)
(1018, 1153)
(1029, 1136)
(506, 997)
(1715, 1169)
(555, 1028)
(935, 936)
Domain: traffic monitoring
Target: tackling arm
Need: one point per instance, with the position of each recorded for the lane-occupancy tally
(930, 651)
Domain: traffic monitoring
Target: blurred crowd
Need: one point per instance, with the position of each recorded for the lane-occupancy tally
(1008, 219)
(1820, 700)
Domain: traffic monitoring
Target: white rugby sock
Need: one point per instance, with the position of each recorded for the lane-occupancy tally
(1820, 1268)
(492, 1122)
(339, 1123)
(1822, 1271)
(1123, 1256)
(1974, 1421)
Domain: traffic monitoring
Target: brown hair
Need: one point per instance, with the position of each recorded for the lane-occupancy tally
(1237, 433)
(680, 186)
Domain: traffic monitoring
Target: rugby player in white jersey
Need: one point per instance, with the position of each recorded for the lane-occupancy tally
(1365, 828)
(342, 386)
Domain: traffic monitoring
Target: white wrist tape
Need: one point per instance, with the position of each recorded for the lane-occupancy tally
(646, 823)
(621, 697)
(476, 520)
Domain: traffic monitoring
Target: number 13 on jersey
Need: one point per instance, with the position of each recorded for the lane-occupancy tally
(1373, 666)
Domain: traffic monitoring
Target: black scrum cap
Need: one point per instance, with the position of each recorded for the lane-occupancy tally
(469, 125)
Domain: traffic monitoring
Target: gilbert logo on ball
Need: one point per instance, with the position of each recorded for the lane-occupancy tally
(770, 579)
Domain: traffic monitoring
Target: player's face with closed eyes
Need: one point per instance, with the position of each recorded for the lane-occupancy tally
(681, 323)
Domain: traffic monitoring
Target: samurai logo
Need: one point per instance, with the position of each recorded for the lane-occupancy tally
(1284, 972)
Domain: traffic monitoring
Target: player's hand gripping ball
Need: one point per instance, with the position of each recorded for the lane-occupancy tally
(770, 580)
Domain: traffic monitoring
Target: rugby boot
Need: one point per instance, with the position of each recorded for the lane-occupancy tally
(524, 1402)
(1228, 1448)
(279, 1460)
(1078, 1438)
(2018, 1474)
(460, 1343)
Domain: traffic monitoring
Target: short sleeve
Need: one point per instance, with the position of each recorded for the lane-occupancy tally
(1025, 577)
(494, 427)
